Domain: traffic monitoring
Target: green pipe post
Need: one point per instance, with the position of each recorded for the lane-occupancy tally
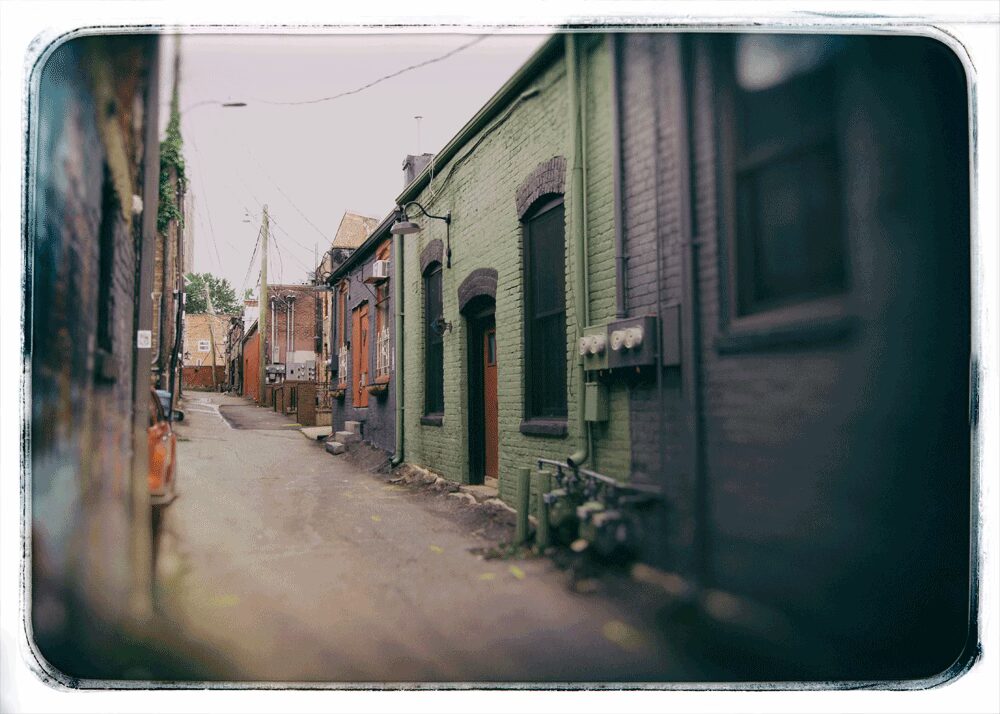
(543, 484)
(523, 504)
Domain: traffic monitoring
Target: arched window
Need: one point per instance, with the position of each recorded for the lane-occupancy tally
(433, 341)
(545, 309)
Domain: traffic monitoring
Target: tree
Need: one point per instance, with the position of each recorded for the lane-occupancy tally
(224, 300)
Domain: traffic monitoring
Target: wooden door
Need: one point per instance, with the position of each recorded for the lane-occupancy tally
(359, 349)
(490, 410)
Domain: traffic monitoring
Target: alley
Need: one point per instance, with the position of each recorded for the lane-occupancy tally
(294, 565)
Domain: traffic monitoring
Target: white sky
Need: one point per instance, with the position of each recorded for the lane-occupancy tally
(317, 160)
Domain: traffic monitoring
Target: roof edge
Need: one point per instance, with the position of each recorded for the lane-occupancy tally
(365, 248)
(496, 103)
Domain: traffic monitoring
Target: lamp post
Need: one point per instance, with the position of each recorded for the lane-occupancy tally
(404, 226)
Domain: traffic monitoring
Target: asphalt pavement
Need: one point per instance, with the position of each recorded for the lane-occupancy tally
(293, 565)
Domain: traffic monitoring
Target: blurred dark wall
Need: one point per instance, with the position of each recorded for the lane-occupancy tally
(816, 461)
(91, 191)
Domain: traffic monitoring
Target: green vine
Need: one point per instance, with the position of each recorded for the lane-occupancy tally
(171, 157)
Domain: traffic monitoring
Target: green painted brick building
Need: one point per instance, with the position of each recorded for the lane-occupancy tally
(517, 152)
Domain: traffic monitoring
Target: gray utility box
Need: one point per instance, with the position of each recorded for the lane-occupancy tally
(596, 402)
(302, 371)
(632, 342)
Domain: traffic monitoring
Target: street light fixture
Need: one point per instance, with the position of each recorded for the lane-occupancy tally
(404, 226)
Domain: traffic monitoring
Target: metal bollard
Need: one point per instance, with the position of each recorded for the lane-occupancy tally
(523, 505)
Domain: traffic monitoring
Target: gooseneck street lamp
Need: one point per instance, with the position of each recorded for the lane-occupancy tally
(404, 226)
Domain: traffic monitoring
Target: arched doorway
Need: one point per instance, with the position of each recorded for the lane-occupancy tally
(483, 403)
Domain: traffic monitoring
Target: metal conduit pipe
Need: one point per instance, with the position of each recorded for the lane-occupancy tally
(617, 172)
(577, 218)
(397, 304)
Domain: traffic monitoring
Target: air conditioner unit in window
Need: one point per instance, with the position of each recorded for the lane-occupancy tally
(380, 271)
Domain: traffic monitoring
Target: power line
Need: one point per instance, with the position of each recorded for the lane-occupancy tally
(281, 262)
(371, 84)
(252, 256)
(208, 211)
(288, 198)
(290, 237)
(293, 256)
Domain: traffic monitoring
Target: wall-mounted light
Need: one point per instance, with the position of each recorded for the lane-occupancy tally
(440, 326)
(404, 226)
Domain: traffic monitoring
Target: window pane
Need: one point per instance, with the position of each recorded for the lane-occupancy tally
(547, 243)
(547, 364)
(545, 322)
(433, 344)
(789, 242)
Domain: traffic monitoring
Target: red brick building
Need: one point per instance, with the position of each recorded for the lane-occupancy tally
(294, 331)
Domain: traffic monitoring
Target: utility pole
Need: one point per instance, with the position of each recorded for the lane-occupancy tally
(262, 311)
(211, 332)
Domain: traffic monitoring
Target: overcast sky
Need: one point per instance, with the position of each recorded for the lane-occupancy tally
(311, 162)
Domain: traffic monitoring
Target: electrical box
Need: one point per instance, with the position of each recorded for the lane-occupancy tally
(671, 336)
(632, 342)
(595, 403)
(593, 347)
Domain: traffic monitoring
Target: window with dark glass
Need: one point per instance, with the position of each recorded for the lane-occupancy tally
(789, 245)
(433, 342)
(545, 310)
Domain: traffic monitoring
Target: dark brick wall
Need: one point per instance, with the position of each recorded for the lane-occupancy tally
(548, 177)
(378, 419)
(836, 468)
(651, 194)
(87, 159)
(480, 282)
(433, 252)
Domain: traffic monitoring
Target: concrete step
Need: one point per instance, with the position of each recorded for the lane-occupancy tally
(481, 493)
(353, 426)
(316, 432)
(347, 437)
(335, 447)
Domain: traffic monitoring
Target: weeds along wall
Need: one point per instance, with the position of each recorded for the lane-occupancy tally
(479, 186)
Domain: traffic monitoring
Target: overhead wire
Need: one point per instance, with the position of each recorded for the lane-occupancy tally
(253, 255)
(208, 211)
(404, 70)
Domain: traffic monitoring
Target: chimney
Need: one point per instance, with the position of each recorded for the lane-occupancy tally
(250, 302)
(413, 165)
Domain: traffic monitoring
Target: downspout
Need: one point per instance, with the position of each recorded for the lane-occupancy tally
(617, 171)
(661, 419)
(397, 300)
(580, 296)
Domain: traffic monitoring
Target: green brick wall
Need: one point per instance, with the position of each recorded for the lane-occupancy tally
(480, 190)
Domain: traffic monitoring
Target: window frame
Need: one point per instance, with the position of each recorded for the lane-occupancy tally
(340, 343)
(540, 423)
(431, 415)
(382, 296)
(799, 320)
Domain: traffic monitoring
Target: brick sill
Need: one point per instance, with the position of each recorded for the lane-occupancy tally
(787, 336)
(432, 420)
(552, 428)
